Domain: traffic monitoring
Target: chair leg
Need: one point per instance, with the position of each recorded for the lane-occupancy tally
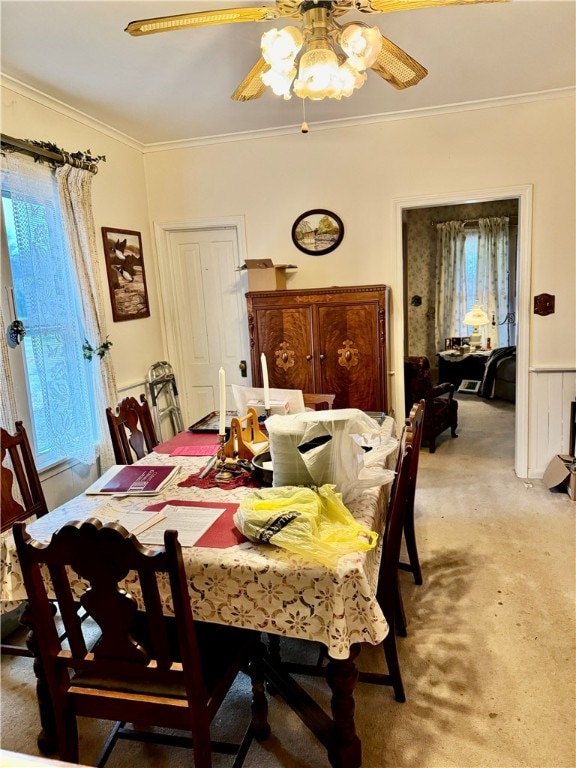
(432, 444)
(401, 623)
(260, 726)
(411, 548)
(391, 653)
(67, 729)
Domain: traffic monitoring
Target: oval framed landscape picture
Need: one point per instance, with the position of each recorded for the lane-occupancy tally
(317, 232)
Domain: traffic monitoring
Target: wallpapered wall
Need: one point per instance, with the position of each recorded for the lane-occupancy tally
(420, 265)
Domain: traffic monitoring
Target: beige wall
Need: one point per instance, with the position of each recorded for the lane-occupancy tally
(359, 172)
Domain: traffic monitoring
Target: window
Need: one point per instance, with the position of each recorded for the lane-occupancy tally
(471, 255)
(503, 328)
(46, 298)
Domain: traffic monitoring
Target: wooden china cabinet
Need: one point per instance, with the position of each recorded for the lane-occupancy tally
(330, 340)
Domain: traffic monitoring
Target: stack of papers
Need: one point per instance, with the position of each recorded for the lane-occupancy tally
(190, 521)
(133, 480)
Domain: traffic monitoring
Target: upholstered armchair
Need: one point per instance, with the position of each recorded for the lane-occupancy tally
(441, 409)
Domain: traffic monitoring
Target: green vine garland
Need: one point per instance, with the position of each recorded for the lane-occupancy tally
(88, 351)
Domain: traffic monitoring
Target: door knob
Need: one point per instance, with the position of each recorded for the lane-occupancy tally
(243, 368)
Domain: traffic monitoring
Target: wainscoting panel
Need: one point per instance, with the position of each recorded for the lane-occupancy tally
(551, 392)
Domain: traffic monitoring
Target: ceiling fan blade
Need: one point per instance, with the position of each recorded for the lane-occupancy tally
(200, 19)
(252, 86)
(397, 67)
(390, 6)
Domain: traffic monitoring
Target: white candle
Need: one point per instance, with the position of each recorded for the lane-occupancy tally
(265, 381)
(222, 383)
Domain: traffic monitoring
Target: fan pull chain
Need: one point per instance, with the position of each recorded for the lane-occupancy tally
(304, 127)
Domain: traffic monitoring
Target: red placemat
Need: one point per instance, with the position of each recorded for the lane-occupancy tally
(221, 534)
(187, 438)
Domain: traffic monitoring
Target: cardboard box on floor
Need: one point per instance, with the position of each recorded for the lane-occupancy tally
(561, 471)
(263, 275)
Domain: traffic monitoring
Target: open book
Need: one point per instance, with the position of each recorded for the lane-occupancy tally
(134, 479)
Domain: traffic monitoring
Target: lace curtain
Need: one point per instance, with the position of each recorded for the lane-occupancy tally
(452, 300)
(8, 412)
(64, 382)
(490, 283)
(75, 188)
(492, 276)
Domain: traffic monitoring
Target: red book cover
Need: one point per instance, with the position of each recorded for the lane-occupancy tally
(138, 479)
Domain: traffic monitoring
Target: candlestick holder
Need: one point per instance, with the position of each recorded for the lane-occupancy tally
(223, 474)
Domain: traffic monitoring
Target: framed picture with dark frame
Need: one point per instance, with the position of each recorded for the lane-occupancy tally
(126, 275)
(317, 232)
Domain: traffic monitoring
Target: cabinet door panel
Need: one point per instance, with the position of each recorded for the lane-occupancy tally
(285, 336)
(348, 350)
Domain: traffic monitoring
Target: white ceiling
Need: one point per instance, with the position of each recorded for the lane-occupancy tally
(176, 85)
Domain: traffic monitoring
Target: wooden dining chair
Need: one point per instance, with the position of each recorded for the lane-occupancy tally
(387, 590)
(18, 471)
(134, 666)
(318, 402)
(414, 423)
(412, 433)
(131, 429)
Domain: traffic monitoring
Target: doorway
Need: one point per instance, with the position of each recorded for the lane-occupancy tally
(523, 199)
(204, 314)
(420, 242)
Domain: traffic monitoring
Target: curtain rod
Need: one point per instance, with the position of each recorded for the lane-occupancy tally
(512, 220)
(52, 153)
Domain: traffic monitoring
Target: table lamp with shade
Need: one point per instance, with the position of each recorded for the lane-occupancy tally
(476, 317)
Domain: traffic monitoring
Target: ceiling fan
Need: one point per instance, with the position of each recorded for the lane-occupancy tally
(323, 70)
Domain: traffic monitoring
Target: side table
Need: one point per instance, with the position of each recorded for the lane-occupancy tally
(454, 368)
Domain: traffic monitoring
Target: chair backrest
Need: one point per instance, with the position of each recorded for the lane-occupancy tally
(318, 402)
(388, 574)
(417, 379)
(414, 429)
(18, 466)
(415, 425)
(129, 650)
(131, 429)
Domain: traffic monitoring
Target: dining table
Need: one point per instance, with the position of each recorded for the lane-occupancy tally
(237, 582)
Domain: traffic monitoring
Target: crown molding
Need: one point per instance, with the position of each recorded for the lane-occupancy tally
(81, 117)
(331, 125)
(11, 84)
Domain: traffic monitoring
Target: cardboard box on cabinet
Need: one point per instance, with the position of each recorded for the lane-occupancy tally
(561, 473)
(264, 275)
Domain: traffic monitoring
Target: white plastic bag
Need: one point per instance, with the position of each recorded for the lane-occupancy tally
(345, 448)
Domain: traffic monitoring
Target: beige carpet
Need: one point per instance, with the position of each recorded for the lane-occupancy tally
(488, 664)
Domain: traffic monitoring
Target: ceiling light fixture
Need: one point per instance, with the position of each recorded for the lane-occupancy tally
(321, 71)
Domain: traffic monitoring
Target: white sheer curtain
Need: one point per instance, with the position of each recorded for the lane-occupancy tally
(75, 185)
(451, 296)
(492, 276)
(47, 299)
(8, 412)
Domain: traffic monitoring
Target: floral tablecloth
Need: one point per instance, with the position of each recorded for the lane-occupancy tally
(255, 586)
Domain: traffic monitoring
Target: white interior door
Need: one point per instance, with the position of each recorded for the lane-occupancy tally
(205, 315)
